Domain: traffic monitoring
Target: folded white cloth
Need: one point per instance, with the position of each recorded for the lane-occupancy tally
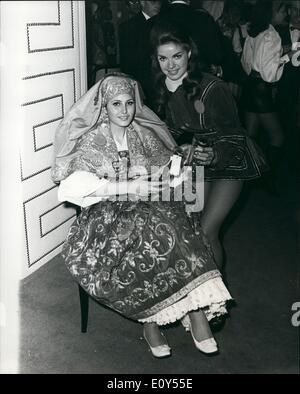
(77, 187)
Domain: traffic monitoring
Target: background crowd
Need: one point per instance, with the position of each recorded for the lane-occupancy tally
(269, 105)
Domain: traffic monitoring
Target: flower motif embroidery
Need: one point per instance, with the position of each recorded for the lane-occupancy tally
(196, 262)
(130, 259)
(115, 247)
(153, 252)
(91, 259)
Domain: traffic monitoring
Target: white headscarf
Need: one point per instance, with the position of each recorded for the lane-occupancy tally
(86, 113)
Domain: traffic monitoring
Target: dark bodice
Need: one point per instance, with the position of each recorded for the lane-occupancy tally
(214, 108)
(214, 114)
(215, 117)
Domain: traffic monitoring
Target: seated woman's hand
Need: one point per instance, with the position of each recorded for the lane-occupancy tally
(137, 171)
(142, 187)
(205, 155)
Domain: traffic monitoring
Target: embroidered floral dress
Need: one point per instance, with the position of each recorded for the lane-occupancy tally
(144, 259)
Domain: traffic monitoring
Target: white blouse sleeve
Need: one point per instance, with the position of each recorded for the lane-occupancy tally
(268, 57)
(77, 187)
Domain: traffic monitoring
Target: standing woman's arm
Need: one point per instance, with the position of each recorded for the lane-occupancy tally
(221, 113)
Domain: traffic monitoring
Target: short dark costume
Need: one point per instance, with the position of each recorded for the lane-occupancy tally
(214, 117)
(257, 95)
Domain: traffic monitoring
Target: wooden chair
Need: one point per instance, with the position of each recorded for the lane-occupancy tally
(84, 308)
(105, 68)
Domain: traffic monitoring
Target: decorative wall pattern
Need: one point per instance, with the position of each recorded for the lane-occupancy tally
(54, 78)
(43, 115)
(55, 35)
(44, 226)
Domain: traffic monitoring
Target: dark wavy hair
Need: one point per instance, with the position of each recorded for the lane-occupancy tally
(164, 33)
(261, 17)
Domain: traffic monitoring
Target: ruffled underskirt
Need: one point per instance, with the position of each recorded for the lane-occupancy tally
(211, 297)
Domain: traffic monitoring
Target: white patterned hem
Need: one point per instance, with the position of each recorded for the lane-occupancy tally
(211, 296)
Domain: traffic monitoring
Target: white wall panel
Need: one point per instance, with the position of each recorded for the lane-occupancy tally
(53, 80)
(47, 39)
(53, 32)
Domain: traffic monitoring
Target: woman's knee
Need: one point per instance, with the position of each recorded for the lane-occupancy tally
(251, 124)
(211, 231)
(221, 200)
(273, 128)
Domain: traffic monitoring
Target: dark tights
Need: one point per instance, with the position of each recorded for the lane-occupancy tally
(219, 198)
(269, 122)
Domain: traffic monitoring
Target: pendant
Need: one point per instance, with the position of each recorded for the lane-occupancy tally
(100, 139)
(199, 106)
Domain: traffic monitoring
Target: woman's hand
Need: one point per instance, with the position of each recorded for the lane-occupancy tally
(292, 53)
(205, 154)
(187, 151)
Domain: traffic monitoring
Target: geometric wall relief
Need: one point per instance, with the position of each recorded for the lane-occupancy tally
(42, 118)
(43, 133)
(54, 34)
(48, 97)
(46, 224)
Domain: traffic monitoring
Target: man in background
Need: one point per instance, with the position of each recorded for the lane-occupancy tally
(289, 84)
(131, 38)
(215, 8)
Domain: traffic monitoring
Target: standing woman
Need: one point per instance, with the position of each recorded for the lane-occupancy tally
(263, 62)
(188, 99)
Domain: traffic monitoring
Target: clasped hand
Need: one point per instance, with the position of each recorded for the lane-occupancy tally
(204, 154)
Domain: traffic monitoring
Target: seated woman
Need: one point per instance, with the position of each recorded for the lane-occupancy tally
(141, 258)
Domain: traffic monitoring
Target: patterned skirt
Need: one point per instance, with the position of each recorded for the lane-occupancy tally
(145, 260)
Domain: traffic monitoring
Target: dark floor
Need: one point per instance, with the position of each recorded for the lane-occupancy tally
(258, 338)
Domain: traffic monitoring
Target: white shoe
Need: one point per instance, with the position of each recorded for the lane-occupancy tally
(207, 346)
(159, 351)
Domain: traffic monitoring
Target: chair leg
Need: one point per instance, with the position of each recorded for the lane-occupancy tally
(84, 308)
